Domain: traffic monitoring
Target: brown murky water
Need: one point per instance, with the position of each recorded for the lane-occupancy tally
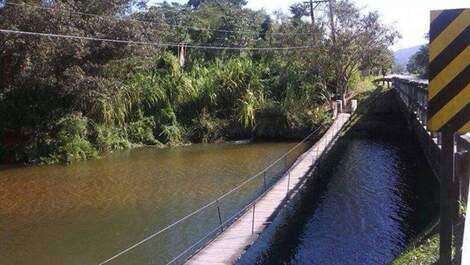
(84, 213)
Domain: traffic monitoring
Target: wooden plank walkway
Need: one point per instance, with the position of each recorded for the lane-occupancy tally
(231, 244)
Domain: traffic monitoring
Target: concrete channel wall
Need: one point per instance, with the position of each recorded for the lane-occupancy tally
(413, 102)
(412, 95)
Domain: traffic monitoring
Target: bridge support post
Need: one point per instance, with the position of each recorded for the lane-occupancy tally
(253, 220)
(339, 106)
(220, 216)
(446, 198)
(264, 180)
(288, 183)
(334, 107)
(353, 105)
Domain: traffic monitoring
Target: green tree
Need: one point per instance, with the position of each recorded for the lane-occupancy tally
(118, 93)
(197, 3)
(419, 62)
(357, 39)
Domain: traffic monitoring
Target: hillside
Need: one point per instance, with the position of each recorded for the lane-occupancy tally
(403, 55)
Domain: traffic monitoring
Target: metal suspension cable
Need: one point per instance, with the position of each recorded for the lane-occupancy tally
(157, 44)
(150, 22)
(270, 165)
(120, 253)
(156, 234)
(232, 218)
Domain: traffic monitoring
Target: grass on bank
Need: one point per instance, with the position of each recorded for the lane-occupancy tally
(426, 249)
(424, 253)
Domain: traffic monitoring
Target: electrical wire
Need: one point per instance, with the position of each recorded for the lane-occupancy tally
(157, 44)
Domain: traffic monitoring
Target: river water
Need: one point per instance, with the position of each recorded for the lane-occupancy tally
(371, 197)
(86, 212)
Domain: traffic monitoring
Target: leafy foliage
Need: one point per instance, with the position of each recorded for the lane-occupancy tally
(107, 139)
(419, 62)
(71, 144)
(206, 129)
(141, 131)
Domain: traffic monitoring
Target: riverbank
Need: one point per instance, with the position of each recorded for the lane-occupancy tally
(77, 138)
(160, 102)
(423, 251)
(96, 143)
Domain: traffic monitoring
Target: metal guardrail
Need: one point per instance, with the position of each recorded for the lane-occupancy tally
(221, 212)
(413, 94)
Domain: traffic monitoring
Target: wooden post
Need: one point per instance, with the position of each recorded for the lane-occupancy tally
(446, 198)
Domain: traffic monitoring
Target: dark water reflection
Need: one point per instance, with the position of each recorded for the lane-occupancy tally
(86, 212)
(360, 216)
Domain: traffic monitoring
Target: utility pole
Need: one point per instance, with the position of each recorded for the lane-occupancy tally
(333, 42)
(332, 21)
(312, 15)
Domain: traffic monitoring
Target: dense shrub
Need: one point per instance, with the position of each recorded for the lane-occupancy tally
(116, 85)
(169, 131)
(271, 121)
(141, 131)
(70, 143)
(172, 134)
(206, 129)
(108, 138)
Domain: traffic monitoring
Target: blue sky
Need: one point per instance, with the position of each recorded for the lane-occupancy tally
(410, 17)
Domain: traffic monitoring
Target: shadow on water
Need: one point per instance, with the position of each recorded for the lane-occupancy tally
(374, 193)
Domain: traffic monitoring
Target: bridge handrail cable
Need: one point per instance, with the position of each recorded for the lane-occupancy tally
(214, 202)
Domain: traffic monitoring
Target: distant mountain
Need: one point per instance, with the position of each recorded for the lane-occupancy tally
(402, 56)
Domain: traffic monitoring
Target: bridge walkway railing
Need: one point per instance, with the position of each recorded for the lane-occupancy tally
(176, 242)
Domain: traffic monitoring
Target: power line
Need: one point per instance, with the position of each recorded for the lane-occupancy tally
(150, 22)
(157, 44)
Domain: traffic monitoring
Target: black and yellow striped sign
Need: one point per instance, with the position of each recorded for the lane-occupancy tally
(449, 71)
